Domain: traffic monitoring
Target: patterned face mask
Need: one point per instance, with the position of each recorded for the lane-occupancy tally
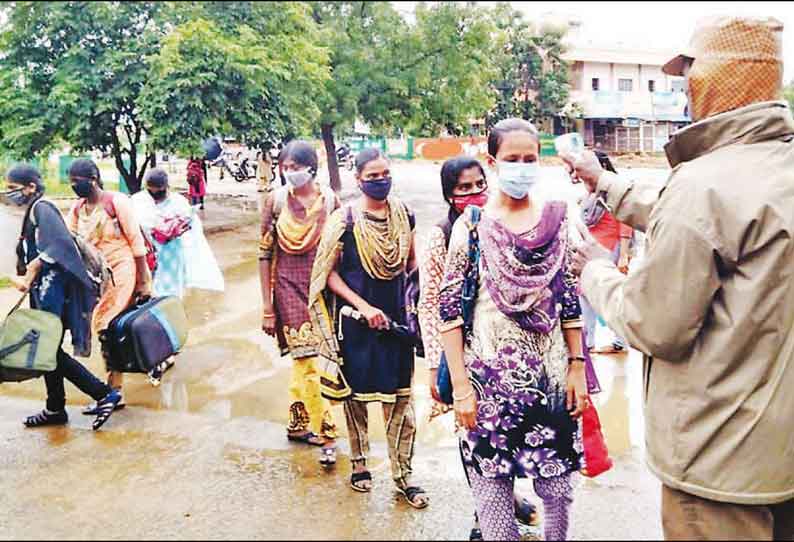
(298, 178)
(737, 64)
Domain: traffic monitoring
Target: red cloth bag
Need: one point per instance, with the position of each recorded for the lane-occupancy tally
(596, 455)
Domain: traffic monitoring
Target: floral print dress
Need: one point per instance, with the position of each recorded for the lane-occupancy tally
(518, 363)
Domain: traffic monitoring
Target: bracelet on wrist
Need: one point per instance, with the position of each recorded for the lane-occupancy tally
(465, 396)
(571, 359)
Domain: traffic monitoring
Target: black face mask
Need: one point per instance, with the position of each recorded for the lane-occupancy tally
(158, 195)
(82, 188)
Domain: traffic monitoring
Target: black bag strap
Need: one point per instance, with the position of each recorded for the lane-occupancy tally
(472, 276)
(31, 338)
(18, 304)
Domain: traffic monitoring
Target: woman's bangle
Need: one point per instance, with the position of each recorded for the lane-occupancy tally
(571, 359)
(466, 396)
(268, 314)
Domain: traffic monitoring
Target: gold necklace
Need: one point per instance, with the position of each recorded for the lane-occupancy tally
(383, 245)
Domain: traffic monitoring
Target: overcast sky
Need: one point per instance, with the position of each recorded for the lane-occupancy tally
(661, 25)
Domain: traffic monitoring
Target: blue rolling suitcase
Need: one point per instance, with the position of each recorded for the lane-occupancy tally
(145, 335)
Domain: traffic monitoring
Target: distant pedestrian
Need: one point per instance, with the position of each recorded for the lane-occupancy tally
(197, 180)
(265, 170)
(615, 237)
(712, 304)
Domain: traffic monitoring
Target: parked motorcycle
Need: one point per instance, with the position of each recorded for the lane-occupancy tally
(344, 157)
(240, 170)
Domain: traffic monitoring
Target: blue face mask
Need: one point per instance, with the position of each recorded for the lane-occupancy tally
(17, 197)
(377, 189)
(516, 179)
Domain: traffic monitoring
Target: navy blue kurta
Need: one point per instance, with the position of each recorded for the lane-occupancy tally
(377, 365)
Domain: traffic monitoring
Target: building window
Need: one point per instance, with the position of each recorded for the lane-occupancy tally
(625, 85)
(595, 83)
(651, 85)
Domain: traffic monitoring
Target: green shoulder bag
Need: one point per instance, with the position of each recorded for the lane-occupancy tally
(29, 343)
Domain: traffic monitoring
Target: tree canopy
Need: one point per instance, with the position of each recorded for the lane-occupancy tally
(417, 75)
(788, 94)
(73, 72)
(242, 69)
(533, 80)
(127, 78)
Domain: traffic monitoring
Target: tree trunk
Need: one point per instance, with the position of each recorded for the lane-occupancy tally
(330, 152)
(129, 176)
(151, 161)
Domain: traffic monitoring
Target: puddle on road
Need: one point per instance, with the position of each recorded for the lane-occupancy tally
(620, 403)
(230, 369)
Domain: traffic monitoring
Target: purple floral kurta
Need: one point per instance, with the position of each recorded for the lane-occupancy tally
(519, 362)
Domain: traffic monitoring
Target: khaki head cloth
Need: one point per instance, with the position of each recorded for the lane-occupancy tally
(738, 61)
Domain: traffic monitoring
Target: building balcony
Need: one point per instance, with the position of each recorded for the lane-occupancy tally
(649, 106)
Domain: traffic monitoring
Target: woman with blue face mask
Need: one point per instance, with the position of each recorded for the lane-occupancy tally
(363, 262)
(518, 373)
(293, 217)
(54, 274)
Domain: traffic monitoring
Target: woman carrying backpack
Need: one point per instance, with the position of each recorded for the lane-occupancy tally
(197, 180)
(106, 220)
(56, 277)
(293, 217)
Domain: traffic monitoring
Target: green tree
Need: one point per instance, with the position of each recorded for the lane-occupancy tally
(533, 79)
(450, 67)
(242, 69)
(73, 72)
(396, 74)
(788, 94)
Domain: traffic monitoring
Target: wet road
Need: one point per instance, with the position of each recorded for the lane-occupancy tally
(205, 455)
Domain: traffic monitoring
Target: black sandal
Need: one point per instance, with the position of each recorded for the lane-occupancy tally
(358, 477)
(44, 418)
(105, 408)
(475, 534)
(310, 438)
(410, 493)
(526, 513)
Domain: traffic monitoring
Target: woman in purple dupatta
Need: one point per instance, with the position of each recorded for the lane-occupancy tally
(518, 375)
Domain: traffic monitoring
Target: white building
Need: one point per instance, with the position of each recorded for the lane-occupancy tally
(627, 103)
(624, 101)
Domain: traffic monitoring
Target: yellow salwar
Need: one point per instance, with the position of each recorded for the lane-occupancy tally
(290, 234)
(309, 410)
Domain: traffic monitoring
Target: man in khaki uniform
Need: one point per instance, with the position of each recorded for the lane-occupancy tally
(712, 304)
(264, 170)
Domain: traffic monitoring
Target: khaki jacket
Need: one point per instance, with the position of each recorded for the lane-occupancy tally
(712, 305)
